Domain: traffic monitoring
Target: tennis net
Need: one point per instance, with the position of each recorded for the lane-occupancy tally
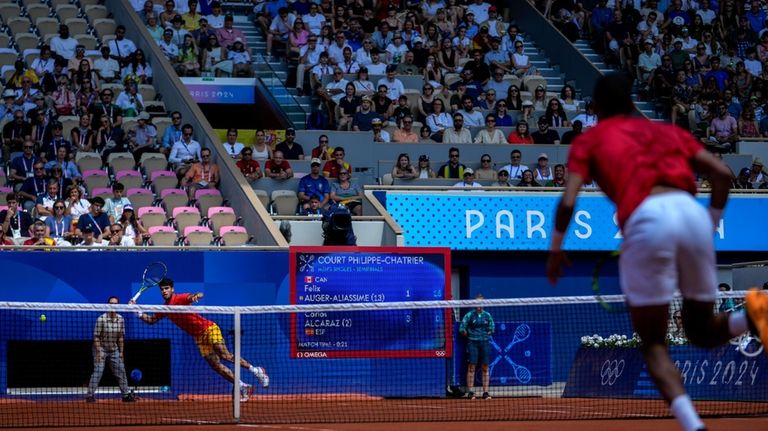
(550, 359)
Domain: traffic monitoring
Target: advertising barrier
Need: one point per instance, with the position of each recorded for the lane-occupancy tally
(474, 220)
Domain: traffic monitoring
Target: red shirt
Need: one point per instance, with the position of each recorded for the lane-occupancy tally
(332, 168)
(629, 156)
(515, 138)
(273, 167)
(191, 323)
(247, 167)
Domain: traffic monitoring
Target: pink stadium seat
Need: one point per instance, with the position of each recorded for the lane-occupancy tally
(131, 179)
(101, 191)
(219, 210)
(155, 229)
(6, 189)
(158, 174)
(232, 229)
(140, 197)
(197, 235)
(167, 192)
(206, 192)
(190, 229)
(185, 210)
(3, 208)
(149, 210)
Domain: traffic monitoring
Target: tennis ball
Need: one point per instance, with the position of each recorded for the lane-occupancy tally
(43, 318)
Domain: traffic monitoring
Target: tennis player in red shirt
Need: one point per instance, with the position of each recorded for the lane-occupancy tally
(207, 335)
(646, 169)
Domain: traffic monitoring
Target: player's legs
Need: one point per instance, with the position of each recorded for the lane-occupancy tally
(485, 371)
(649, 277)
(473, 356)
(99, 357)
(697, 279)
(118, 370)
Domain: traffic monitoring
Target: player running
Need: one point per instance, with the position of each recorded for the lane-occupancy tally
(645, 168)
(207, 335)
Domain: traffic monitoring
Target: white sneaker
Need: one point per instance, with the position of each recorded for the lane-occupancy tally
(261, 374)
(246, 391)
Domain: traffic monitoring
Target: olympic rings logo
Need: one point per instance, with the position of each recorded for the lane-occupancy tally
(611, 371)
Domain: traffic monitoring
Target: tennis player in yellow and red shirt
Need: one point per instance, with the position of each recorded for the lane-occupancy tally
(207, 335)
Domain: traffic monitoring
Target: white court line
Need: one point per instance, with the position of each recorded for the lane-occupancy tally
(190, 421)
(289, 427)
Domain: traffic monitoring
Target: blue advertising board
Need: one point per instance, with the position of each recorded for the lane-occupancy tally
(521, 354)
(238, 91)
(337, 275)
(722, 374)
(523, 221)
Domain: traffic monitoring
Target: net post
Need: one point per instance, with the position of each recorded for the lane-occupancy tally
(237, 369)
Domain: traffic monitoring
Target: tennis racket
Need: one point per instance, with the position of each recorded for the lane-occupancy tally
(153, 273)
(596, 280)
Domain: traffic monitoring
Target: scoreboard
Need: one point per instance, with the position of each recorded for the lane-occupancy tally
(343, 275)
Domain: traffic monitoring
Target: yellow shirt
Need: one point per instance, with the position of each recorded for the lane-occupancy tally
(191, 21)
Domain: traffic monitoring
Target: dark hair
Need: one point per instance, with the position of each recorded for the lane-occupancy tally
(118, 187)
(612, 95)
(165, 282)
(113, 297)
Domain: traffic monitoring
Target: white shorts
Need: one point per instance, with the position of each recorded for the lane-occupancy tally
(668, 244)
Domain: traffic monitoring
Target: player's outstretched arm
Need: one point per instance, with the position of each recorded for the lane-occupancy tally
(720, 177)
(557, 258)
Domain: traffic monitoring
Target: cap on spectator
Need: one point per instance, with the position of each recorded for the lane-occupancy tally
(57, 125)
(423, 158)
(677, 40)
(177, 18)
(238, 39)
(290, 131)
(758, 162)
(377, 121)
(144, 115)
(542, 120)
(543, 156)
(416, 40)
(684, 29)
(504, 172)
(527, 103)
(363, 69)
(98, 200)
(229, 18)
(167, 31)
(87, 230)
(649, 41)
(468, 171)
(9, 93)
(392, 6)
(484, 26)
(39, 96)
(366, 99)
(316, 161)
(80, 47)
(128, 207)
(203, 20)
(678, 20)
(495, 40)
(745, 172)
(492, 9)
(391, 67)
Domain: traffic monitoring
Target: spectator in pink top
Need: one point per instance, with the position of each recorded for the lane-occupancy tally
(228, 33)
(723, 131)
